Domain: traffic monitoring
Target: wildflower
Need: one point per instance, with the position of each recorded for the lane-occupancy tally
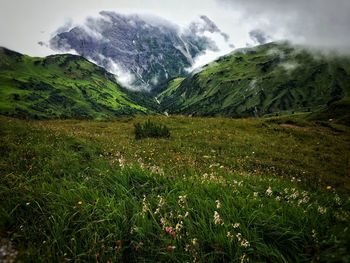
(144, 205)
(182, 200)
(134, 229)
(27, 204)
(170, 248)
(242, 258)
(236, 225)
(218, 204)
(269, 191)
(314, 233)
(80, 202)
(295, 195)
(179, 226)
(163, 221)
(161, 201)
(255, 194)
(329, 187)
(217, 219)
(239, 236)
(194, 241)
(229, 235)
(322, 210)
(170, 231)
(245, 243)
(305, 200)
(278, 198)
(337, 199)
(157, 211)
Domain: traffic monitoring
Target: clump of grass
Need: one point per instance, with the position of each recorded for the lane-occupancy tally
(151, 130)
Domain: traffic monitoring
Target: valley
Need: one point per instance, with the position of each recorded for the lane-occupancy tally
(254, 164)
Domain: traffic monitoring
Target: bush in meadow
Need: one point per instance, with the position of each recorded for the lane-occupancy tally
(151, 130)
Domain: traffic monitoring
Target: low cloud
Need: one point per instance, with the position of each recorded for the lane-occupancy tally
(317, 23)
(123, 76)
(259, 37)
(289, 67)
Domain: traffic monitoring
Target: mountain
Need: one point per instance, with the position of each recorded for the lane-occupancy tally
(62, 86)
(143, 51)
(266, 79)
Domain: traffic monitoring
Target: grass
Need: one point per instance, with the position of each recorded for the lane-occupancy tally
(62, 86)
(88, 191)
(271, 78)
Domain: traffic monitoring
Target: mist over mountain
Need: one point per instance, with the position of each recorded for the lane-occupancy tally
(141, 50)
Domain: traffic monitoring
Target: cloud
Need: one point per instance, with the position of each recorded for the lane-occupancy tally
(210, 55)
(259, 36)
(289, 66)
(316, 23)
(123, 76)
(65, 27)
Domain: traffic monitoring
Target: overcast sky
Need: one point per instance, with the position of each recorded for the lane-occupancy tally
(322, 23)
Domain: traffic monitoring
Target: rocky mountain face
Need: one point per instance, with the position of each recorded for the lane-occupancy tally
(143, 51)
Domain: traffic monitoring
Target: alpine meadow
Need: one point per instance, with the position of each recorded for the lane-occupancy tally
(127, 135)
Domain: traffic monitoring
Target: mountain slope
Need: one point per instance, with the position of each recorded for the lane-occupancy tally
(263, 80)
(148, 50)
(60, 86)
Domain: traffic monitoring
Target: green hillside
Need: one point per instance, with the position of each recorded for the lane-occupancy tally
(62, 86)
(268, 79)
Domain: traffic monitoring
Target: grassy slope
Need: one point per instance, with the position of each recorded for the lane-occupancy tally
(172, 86)
(338, 111)
(257, 81)
(60, 86)
(81, 190)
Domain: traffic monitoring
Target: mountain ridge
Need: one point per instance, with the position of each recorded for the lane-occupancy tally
(62, 86)
(262, 80)
(148, 50)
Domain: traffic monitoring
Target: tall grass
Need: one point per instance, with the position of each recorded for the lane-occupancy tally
(63, 200)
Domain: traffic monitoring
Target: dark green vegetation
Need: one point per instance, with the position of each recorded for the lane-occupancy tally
(267, 190)
(272, 78)
(338, 111)
(150, 129)
(62, 86)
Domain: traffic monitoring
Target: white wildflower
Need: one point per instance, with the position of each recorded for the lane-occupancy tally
(269, 191)
(322, 210)
(217, 219)
(245, 243)
(182, 200)
(236, 225)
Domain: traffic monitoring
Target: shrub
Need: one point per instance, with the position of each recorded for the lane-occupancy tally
(151, 130)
